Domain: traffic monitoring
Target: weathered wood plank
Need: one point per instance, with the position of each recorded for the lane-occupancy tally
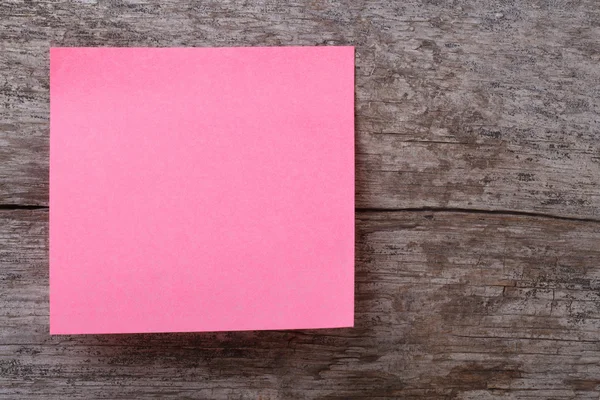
(484, 104)
(448, 305)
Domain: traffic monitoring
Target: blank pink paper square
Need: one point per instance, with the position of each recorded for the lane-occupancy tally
(201, 189)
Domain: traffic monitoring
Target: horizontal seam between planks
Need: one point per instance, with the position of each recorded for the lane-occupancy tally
(397, 210)
(22, 207)
(474, 211)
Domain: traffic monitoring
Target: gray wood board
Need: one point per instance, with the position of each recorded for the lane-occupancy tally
(489, 105)
(448, 305)
(477, 121)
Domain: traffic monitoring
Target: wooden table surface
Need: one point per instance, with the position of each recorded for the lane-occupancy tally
(477, 194)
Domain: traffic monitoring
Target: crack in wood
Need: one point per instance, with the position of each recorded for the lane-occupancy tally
(22, 207)
(511, 213)
(508, 213)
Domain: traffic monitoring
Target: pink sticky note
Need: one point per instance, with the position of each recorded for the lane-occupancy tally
(201, 189)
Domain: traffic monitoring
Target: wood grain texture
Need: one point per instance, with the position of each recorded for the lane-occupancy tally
(482, 104)
(448, 306)
(486, 106)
